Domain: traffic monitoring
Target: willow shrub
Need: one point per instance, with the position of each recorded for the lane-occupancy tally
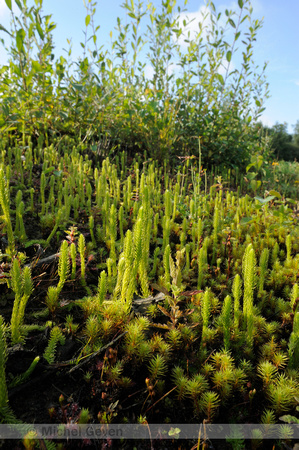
(203, 84)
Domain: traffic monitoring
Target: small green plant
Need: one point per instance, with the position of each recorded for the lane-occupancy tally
(63, 265)
(267, 372)
(135, 344)
(225, 321)
(209, 404)
(56, 337)
(24, 376)
(264, 258)
(157, 367)
(249, 285)
(256, 163)
(5, 205)
(195, 389)
(20, 209)
(52, 299)
(281, 394)
(84, 416)
(23, 287)
(70, 326)
(73, 254)
(181, 382)
(293, 348)
(92, 330)
(206, 312)
(6, 414)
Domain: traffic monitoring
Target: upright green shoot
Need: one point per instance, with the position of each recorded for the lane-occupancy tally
(249, 275)
(22, 286)
(5, 205)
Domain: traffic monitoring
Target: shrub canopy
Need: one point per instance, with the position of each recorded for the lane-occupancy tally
(204, 84)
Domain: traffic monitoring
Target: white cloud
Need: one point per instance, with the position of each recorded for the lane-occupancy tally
(4, 20)
(257, 6)
(148, 72)
(297, 82)
(192, 29)
(5, 12)
(192, 20)
(266, 120)
(223, 68)
(3, 9)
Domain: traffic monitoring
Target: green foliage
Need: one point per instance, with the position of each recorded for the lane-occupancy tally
(205, 314)
(248, 268)
(267, 372)
(226, 321)
(173, 243)
(296, 133)
(268, 417)
(73, 252)
(181, 226)
(157, 367)
(294, 298)
(262, 269)
(24, 376)
(56, 337)
(84, 416)
(181, 381)
(102, 287)
(81, 248)
(196, 386)
(5, 205)
(285, 177)
(294, 342)
(92, 329)
(209, 404)
(135, 344)
(282, 394)
(290, 152)
(63, 265)
(52, 298)
(284, 146)
(110, 102)
(22, 286)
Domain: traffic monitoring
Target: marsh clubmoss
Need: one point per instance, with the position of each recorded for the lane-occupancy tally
(167, 272)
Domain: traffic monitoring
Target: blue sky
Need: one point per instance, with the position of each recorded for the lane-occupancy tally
(277, 42)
